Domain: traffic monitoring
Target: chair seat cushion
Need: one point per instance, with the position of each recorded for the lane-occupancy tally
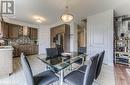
(74, 78)
(45, 78)
(83, 68)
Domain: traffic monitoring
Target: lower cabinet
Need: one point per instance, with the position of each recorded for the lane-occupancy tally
(27, 49)
(6, 62)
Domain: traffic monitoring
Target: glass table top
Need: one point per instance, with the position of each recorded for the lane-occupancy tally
(61, 62)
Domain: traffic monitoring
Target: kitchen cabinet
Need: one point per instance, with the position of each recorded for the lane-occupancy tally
(13, 31)
(27, 49)
(16, 51)
(33, 33)
(6, 61)
(4, 30)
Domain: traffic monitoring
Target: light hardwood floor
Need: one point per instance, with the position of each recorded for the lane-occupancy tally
(121, 75)
(17, 78)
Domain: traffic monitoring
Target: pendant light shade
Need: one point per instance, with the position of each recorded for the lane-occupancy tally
(67, 17)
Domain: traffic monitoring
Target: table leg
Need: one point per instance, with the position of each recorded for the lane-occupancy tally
(61, 77)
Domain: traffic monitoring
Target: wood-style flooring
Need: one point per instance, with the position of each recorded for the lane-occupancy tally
(121, 75)
(18, 78)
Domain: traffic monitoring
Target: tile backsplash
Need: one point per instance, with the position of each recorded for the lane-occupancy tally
(21, 41)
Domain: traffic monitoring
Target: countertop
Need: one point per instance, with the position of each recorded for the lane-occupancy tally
(6, 48)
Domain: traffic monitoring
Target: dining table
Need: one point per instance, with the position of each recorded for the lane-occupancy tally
(60, 63)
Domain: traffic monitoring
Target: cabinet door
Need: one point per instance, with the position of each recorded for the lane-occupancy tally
(33, 33)
(35, 49)
(13, 31)
(29, 50)
(4, 29)
(17, 51)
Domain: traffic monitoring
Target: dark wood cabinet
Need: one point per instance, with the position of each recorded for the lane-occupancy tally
(16, 51)
(13, 31)
(64, 32)
(27, 49)
(10, 31)
(4, 30)
(33, 33)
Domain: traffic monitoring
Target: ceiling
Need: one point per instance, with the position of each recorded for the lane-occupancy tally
(51, 10)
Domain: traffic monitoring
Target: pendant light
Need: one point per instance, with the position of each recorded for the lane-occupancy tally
(67, 17)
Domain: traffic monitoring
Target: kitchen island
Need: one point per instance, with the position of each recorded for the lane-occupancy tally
(6, 60)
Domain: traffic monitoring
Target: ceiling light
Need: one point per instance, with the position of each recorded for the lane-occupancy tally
(39, 19)
(67, 17)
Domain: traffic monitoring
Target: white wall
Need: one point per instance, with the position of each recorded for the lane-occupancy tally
(43, 38)
(122, 10)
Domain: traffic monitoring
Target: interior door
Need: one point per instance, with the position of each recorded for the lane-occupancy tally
(100, 35)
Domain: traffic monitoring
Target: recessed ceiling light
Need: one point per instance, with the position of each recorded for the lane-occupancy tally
(39, 19)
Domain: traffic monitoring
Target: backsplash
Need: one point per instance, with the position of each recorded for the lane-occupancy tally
(21, 41)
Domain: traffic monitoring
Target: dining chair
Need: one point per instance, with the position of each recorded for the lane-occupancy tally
(78, 78)
(59, 49)
(44, 78)
(99, 65)
(81, 50)
(51, 52)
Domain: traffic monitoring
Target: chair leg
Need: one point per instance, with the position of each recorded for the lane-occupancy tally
(70, 68)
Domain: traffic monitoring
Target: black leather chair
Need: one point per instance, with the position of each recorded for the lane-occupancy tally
(44, 78)
(99, 65)
(81, 50)
(78, 78)
(60, 49)
(51, 52)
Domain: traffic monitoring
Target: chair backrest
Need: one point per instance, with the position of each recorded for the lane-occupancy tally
(60, 49)
(91, 70)
(82, 50)
(99, 65)
(27, 70)
(51, 52)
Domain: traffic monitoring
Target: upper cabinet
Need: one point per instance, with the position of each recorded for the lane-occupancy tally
(13, 31)
(4, 29)
(33, 33)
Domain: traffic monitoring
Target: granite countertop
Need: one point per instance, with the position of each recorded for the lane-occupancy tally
(6, 48)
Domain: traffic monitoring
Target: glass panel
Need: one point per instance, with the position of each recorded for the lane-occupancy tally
(62, 62)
